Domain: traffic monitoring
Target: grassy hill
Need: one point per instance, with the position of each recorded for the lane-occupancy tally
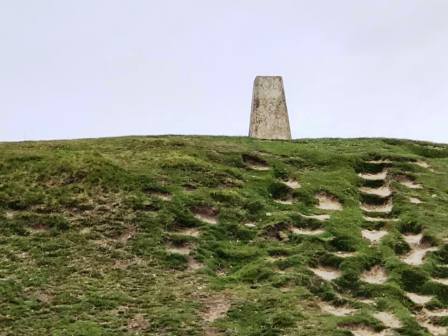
(223, 236)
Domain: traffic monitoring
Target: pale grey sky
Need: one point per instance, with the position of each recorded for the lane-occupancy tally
(93, 68)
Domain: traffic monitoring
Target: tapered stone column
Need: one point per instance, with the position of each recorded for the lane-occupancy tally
(269, 117)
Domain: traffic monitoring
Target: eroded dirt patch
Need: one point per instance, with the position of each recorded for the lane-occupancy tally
(408, 182)
(138, 323)
(381, 208)
(321, 218)
(342, 254)
(426, 322)
(374, 177)
(374, 236)
(215, 308)
(326, 273)
(255, 163)
(418, 249)
(293, 184)
(336, 311)
(382, 192)
(358, 330)
(376, 275)
(415, 200)
(328, 202)
(181, 249)
(419, 299)
(379, 219)
(307, 232)
(206, 214)
(190, 232)
(162, 196)
(388, 320)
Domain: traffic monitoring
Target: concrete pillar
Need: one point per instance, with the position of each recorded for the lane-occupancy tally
(269, 116)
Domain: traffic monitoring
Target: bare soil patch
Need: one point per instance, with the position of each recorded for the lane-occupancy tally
(138, 323)
(287, 201)
(374, 177)
(441, 281)
(307, 232)
(293, 184)
(190, 232)
(382, 192)
(255, 163)
(206, 214)
(415, 200)
(376, 275)
(215, 308)
(388, 320)
(436, 313)
(182, 250)
(408, 182)
(418, 250)
(328, 202)
(162, 196)
(419, 299)
(380, 161)
(326, 273)
(425, 321)
(358, 330)
(382, 208)
(321, 218)
(422, 164)
(336, 311)
(374, 236)
(193, 264)
(416, 256)
(129, 233)
(341, 254)
(379, 219)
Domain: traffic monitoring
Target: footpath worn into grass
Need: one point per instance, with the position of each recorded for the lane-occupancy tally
(223, 236)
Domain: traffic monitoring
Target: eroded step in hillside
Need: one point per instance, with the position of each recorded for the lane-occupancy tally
(382, 192)
(206, 214)
(326, 273)
(418, 249)
(379, 219)
(418, 298)
(426, 322)
(344, 255)
(360, 330)
(389, 320)
(374, 236)
(374, 177)
(415, 200)
(328, 202)
(306, 231)
(408, 182)
(378, 208)
(291, 183)
(189, 232)
(376, 275)
(336, 310)
(322, 217)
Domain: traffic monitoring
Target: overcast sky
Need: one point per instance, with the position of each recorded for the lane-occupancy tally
(94, 68)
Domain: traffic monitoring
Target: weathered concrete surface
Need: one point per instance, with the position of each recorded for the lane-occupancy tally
(269, 116)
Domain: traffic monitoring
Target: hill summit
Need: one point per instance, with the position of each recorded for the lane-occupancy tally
(179, 235)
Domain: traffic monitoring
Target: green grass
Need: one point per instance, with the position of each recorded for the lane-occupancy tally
(83, 236)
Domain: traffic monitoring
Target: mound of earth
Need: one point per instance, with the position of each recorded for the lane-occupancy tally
(226, 236)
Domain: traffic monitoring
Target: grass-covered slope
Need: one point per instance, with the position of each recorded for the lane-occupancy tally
(223, 236)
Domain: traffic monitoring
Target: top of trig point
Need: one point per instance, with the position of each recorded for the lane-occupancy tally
(269, 116)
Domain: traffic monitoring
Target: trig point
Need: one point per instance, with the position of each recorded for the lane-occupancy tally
(269, 116)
